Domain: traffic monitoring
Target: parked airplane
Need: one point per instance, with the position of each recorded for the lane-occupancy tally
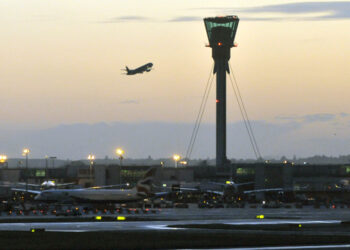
(231, 188)
(144, 68)
(48, 184)
(100, 195)
(232, 185)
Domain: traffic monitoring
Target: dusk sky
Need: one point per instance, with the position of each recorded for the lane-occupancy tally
(61, 64)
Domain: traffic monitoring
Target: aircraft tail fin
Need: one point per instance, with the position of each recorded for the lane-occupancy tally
(127, 69)
(144, 186)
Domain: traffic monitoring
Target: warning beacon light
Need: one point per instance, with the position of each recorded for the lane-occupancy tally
(221, 31)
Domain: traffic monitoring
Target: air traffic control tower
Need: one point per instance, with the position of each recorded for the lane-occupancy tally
(221, 33)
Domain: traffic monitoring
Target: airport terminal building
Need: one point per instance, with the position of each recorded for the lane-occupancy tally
(285, 175)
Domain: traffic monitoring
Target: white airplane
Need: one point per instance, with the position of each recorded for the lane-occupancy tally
(231, 184)
(232, 187)
(99, 195)
(48, 184)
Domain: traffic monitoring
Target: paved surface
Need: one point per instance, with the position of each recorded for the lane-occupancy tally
(146, 225)
(165, 217)
(195, 213)
(306, 228)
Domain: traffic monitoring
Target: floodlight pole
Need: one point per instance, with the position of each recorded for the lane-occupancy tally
(27, 174)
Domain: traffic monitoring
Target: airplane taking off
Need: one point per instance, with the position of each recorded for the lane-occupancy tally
(144, 68)
(99, 195)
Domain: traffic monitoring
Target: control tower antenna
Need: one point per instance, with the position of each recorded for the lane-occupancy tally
(221, 33)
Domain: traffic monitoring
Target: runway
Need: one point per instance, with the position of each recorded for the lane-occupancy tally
(185, 228)
(150, 225)
(194, 213)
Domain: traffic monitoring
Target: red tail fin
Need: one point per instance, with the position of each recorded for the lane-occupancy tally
(144, 185)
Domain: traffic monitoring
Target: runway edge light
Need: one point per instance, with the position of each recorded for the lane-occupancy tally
(260, 216)
(37, 230)
(121, 218)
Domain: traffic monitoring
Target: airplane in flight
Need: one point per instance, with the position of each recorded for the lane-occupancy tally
(98, 194)
(144, 68)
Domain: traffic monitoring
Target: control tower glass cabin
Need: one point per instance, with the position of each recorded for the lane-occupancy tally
(221, 33)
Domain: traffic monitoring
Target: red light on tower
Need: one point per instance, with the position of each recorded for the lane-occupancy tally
(219, 43)
(217, 101)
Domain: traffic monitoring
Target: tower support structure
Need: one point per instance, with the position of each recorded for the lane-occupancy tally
(221, 32)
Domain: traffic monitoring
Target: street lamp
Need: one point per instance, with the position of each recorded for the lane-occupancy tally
(183, 163)
(3, 160)
(176, 158)
(47, 168)
(25, 153)
(120, 152)
(91, 158)
(53, 160)
(52, 164)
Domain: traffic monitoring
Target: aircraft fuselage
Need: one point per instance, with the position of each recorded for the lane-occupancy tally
(147, 67)
(90, 195)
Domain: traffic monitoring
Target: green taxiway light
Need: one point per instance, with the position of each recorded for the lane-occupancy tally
(260, 216)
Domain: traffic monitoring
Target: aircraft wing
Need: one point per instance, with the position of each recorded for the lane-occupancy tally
(214, 192)
(244, 183)
(65, 184)
(263, 190)
(233, 183)
(178, 189)
(24, 190)
(189, 189)
(108, 186)
(217, 183)
(23, 184)
(160, 194)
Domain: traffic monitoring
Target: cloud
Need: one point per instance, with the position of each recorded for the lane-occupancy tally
(245, 18)
(318, 117)
(323, 10)
(286, 117)
(129, 102)
(342, 114)
(127, 19)
(186, 19)
(331, 10)
(161, 139)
